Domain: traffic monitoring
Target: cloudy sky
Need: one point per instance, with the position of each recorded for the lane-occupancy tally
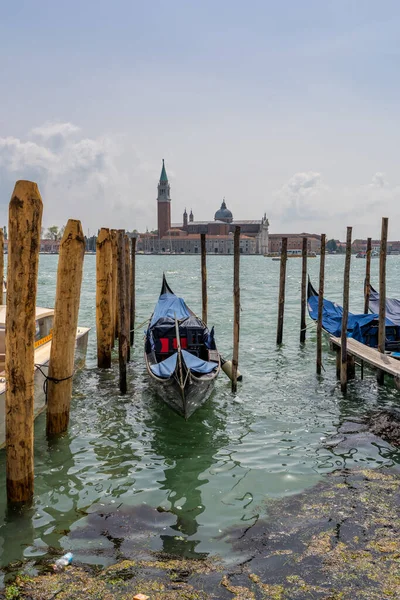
(287, 107)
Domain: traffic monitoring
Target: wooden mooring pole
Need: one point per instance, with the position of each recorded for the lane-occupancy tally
(128, 295)
(303, 291)
(380, 376)
(346, 288)
(114, 243)
(2, 265)
(122, 329)
(236, 307)
(132, 285)
(66, 309)
(203, 277)
(367, 289)
(281, 300)
(24, 225)
(104, 299)
(320, 303)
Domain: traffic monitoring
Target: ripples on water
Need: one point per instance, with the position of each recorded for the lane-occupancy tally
(215, 470)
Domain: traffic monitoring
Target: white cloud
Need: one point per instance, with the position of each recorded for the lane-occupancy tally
(378, 181)
(306, 203)
(95, 180)
(298, 198)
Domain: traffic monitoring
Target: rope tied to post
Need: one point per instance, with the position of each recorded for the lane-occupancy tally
(47, 378)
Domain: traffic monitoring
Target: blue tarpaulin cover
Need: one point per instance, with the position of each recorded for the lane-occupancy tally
(359, 326)
(169, 306)
(197, 364)
(392, 306)
(166, 367)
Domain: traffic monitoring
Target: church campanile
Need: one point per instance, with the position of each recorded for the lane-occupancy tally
(163, 204)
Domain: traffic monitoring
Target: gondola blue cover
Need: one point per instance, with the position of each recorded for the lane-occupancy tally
(169, 306)
(361, 327)
(197, 364)
(392, 306)
(165, 368)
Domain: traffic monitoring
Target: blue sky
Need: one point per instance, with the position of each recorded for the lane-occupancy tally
(287, 108)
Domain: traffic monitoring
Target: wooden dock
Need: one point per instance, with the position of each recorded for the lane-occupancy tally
(370, 356)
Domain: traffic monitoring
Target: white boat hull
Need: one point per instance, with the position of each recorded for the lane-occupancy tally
(42, 357)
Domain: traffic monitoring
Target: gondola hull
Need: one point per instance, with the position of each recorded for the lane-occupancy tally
(187, 399)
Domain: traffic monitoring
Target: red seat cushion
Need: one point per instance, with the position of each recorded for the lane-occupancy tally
(183, 343)
(164, 345)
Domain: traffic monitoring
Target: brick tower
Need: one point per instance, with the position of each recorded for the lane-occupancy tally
(163, 204)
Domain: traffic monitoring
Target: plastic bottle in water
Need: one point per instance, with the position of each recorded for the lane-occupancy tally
(63, 562)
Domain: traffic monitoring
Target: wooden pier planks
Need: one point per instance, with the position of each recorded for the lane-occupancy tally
(372, 356)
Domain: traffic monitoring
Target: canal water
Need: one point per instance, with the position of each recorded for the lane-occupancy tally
(215, 471)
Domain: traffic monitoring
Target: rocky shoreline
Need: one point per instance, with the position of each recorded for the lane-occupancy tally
(339, 540)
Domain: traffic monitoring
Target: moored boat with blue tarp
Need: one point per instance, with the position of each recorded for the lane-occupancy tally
(392, 306)
(181, 356)
(362, 327)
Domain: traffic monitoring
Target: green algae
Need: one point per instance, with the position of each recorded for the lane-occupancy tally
(338, 541)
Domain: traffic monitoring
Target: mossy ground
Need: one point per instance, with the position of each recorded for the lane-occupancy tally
(337, 541)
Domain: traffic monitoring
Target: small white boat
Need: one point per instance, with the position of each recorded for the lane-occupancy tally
(44, 324)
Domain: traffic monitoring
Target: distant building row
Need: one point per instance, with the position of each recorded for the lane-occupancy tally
(185, 237)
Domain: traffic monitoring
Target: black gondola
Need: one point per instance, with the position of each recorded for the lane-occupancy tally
(180, 354)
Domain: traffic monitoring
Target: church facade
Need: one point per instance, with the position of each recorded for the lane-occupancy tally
(184, 237)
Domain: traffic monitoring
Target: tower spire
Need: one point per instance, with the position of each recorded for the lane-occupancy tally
(163, 176)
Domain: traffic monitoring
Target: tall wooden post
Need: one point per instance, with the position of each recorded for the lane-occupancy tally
(121, 294)
(382, 294)
(2, 265)
(346, 287)
(132, 285)
(320, 303)
(236, 307)
(24, 225)
(303, 291)
(203, 278)
(128, 295)
(66, 309)
(114, 243)
(104, 291)
(281, 300)
(367, 290)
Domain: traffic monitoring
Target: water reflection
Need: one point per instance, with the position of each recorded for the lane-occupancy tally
(188, 449)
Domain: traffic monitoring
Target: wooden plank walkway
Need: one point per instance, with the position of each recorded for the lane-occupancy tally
(372, 356)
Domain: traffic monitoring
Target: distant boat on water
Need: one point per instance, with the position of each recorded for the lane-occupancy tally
(374, 254)
(294, 254)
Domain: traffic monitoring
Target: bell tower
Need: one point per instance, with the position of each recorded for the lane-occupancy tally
(163, 203)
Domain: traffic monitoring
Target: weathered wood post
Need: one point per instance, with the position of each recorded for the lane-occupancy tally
(303, 291)
(132, 285)
(382, 295)
(281, 300)
(203, 277)
(24, 225)
(128, 295)
(104, 291)
(1, 264)
(114, 243)
(236, 307)
(367, 290)
(121, 294)
(346, 286)
(66, 309)
(320, 303)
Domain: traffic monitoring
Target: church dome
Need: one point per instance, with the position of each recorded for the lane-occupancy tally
(223, 214)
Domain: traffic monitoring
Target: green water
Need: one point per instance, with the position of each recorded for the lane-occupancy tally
(214, 471)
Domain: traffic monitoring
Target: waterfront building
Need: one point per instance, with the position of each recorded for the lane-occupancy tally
(295, 242)
(184, 237)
